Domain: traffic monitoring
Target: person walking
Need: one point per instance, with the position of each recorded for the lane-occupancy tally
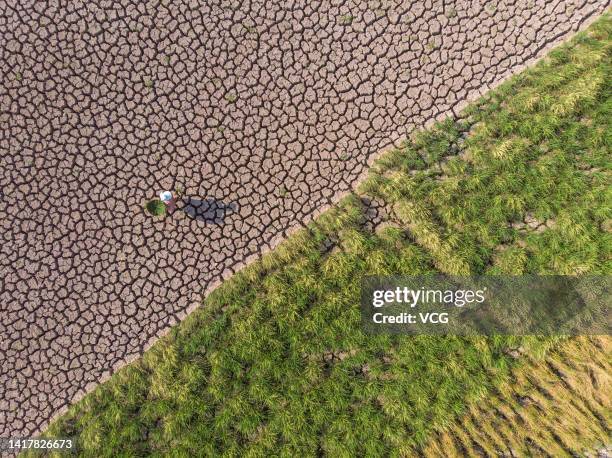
(168, 199)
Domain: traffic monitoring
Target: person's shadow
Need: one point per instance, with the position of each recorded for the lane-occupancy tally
(209, 210)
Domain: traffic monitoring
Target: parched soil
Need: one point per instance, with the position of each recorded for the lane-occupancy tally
(260, 113)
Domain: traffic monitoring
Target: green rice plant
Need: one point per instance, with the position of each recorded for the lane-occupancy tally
(155, 207)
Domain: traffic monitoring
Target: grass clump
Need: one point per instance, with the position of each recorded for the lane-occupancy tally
(276, 363)
(347, 19)
(155, 207)
(450, 12)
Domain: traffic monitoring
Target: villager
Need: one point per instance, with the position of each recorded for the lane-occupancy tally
(168, 199)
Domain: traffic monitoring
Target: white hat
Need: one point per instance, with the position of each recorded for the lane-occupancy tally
(165, 196)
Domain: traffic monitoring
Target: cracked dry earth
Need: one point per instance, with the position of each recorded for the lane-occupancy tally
(263, 112)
